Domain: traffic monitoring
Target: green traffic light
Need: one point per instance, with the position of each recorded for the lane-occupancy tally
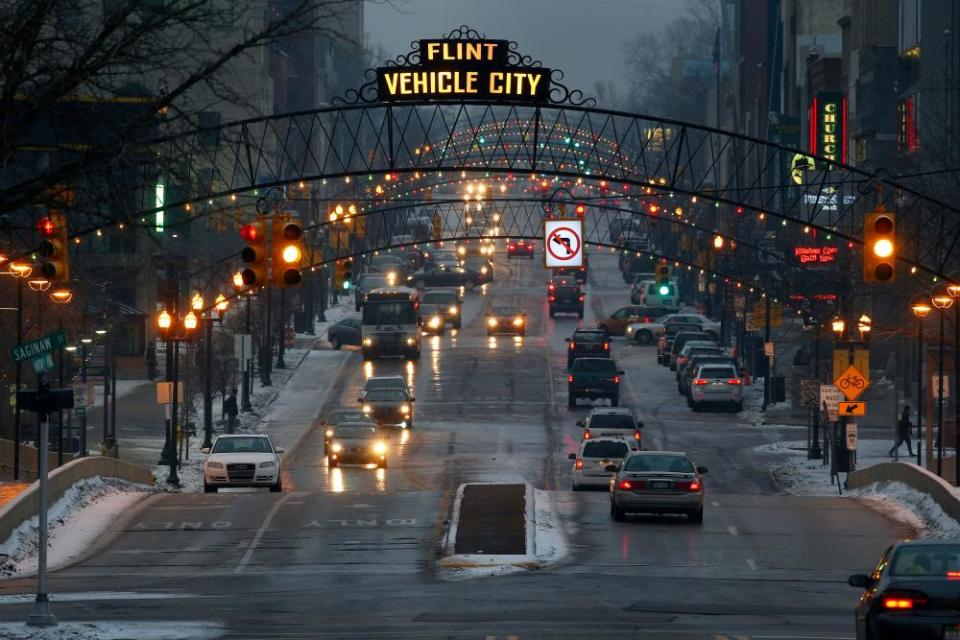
(664, 290)
(346, 285)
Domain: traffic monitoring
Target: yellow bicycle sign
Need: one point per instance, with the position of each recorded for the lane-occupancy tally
(852, 382)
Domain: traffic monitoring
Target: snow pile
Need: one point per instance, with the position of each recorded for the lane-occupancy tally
(550, 540)
(911, 507)
(797, 475)
(76, 520)
(140, 629)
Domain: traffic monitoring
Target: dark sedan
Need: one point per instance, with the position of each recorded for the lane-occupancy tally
(446, 276)
(914, 592)
(346, 331)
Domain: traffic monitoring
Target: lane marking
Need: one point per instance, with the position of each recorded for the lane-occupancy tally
(263, 528)
(751, 564)
(713, 502)
(732, 530)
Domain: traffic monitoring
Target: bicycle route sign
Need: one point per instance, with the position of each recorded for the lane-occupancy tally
(563, 243)
(852, 383)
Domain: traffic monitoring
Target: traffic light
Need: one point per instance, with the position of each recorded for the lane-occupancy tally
(663, 279)
(54, 239)
(344, 274)
(880, 247)
(581, 210)
(287, 251)
(255, 253)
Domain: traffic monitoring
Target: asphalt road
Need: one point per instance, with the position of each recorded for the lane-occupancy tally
(348, 553)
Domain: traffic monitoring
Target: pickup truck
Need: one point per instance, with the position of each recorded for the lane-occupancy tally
(593, 378)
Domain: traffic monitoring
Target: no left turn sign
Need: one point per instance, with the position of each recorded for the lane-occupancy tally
(563, 243)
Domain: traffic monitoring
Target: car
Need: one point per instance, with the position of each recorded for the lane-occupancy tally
(690, 368)
(564, 296)
(384, 382)
(433, 324)
(342, 416)
(445, 276)
(912, 593)
(612, 421)
(657, 482)
(357, 443)
(445, 303)
(391, 407)
(593, 378)
(616, 323)
(577, 273)
(698, 347)
(665, 342)
(345, 331)
(481, 266)
(586, 343)
(520, 248)
(368, 282)
(508, 321)
(241, 460)
(590, 464)
(682, 338)
(387, 263)
(668, 320)
(645, 330)
(658, 294)
(716, 384)
(443, 258)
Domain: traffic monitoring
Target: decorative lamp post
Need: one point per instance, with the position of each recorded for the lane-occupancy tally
(245, 358)
(220, 306)
(61, 296)
(38, 284)
(21, 271)
(942, 300)
(173, 333)
(837, 325)
(864, 326)
(953, 290)
(921, 309)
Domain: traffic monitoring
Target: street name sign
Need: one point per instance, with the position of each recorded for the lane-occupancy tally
(852, 382)
(36, 348)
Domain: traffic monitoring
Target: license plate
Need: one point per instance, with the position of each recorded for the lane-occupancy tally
(659, 484)
(951, 633)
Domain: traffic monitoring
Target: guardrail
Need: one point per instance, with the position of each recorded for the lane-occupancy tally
(24, 506)
(942, 492)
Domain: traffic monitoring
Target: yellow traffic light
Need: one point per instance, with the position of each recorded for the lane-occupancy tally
(287, 251)
(54, 240)
(255, 254)
(880, 247)
(663, 274)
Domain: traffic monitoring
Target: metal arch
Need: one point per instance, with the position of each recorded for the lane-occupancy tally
(357, 140)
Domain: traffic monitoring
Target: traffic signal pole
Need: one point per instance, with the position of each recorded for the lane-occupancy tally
(41, 615)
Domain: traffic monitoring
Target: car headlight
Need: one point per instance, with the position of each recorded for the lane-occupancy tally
(492, 322)
(629, 329)
(452, 311)
(483, 270)
(391, 277)
(366, 408)
(329, 433)
(434, 322)
(410, 342)
(215, 465)
(337, 447)
(367, 342)
(405, 408)
(380, 448)
(269, 464)
(461, 250)
(518, 322)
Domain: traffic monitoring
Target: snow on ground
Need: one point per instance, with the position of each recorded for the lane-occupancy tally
(106, 630)
(914, 508)
(76, 520)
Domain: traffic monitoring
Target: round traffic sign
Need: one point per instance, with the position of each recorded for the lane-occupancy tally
(563, 243)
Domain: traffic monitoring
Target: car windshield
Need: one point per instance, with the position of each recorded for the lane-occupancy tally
(252, 444)
(384, 383)
(589, 336)
(612, 421)
(594, 365)
(386, 395)
(711, 373)
(373, 280)
(382, 312)
(605, 449)
(440, 297)
(355, 433)
(668, 464)
(926, 560)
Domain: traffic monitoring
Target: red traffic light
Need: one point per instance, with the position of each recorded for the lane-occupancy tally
(581, 210)
(47, 227)
(249, 232)
(653, 209)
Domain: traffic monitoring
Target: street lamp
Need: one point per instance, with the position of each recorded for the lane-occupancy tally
(38, 284)
(942, 300)
(61, 296)
(245, 358)
(864, 326)
(21, 271)
(921, 309)
(220, 306)
(168, 330)
(837, 325)
(953, 290)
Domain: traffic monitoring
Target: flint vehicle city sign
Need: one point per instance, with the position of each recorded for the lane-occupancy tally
(464, 69)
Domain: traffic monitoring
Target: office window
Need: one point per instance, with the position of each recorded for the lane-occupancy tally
(908, 30)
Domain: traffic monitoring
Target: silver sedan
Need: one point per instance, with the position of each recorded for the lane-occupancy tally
(657, 482)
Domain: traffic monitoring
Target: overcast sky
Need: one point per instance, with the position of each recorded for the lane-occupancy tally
(585, 38)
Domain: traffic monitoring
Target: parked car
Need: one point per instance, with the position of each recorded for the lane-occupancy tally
(690, 369)
(681, 339)
(716, 384)
(345, 331)
(912, 593)
(657, 482)
(247, 460)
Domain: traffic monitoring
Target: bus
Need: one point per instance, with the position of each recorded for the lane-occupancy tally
(391, 323)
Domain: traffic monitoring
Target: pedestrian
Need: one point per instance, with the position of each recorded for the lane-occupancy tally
(230, 410)
(904, 428)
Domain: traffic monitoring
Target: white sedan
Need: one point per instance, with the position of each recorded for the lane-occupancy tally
(647, 332)
(241, 460)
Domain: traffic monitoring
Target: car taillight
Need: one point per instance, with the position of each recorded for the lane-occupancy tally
(644, 320)
(586, 434)
(694, 486)
(578, 464)
(636, 436)
(573, 344)
(581, 300)
(606, 346)
(549, 299)
(681, 360)
(699, 381)
(551, 287)
(733, 381)
(570, 378)
(626, 485)
(903, 600)
(616, 379)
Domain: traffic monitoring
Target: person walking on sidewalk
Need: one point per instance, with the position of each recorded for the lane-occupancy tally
(230, 410)
(903, 432)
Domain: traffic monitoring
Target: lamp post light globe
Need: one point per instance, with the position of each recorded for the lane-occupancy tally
(20, 269)
(164, 322)
(196, 302)
(921, 309)
(61, 296)
(190, 322)
(38, 284)
(221, 304)
(838, 326)
(941, 300)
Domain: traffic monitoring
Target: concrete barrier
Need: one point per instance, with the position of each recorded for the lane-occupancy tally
(24, 506)
(28, 461)
(942, 492)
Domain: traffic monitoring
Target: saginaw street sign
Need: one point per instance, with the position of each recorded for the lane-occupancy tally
(463, 70)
